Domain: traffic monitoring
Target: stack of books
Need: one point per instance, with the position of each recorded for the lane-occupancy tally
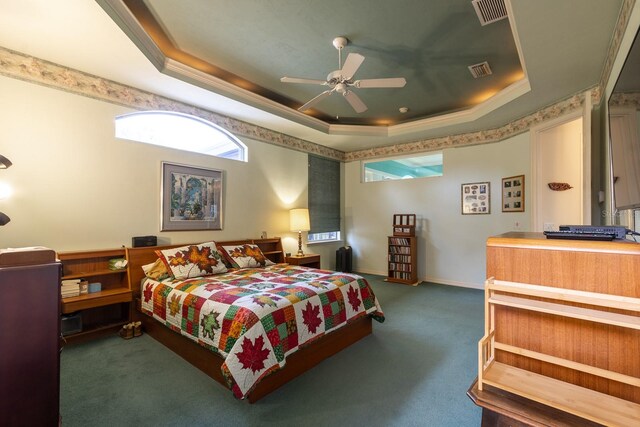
(70, 288)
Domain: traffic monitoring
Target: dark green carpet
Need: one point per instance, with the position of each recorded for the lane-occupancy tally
(414, 370)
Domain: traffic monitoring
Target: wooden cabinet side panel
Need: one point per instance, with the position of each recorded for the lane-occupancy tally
(611, 273)
(602, 346)
(29, 345)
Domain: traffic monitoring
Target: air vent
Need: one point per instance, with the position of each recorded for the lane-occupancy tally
(480, 70)
(489, 11)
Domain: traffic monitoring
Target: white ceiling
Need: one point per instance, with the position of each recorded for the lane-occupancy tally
(563, 44)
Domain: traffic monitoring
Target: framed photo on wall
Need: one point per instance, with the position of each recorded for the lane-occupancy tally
(191, 198)
(476, 198)
(513, 194)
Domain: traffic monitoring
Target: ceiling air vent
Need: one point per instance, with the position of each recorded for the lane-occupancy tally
(480, 70)
(489, 11)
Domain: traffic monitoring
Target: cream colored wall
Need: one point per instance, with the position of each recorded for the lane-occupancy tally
(451, 246)
(77, 187)
(558, 157)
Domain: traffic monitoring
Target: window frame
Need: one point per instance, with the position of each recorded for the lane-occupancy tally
(363, 166)
(241, 148)
(328, 172)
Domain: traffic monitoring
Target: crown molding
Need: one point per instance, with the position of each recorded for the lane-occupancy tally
(509, 130)
(172, 61)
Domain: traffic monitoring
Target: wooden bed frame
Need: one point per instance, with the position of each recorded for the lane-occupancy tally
(209, 362)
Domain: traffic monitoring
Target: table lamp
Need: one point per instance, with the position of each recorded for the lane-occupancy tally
(299, 221)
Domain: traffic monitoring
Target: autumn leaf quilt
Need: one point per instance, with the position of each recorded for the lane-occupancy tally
(255, 317)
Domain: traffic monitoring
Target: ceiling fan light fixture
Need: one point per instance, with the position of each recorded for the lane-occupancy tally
(341, 80)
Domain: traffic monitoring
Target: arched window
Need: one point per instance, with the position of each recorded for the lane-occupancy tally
(180, 131)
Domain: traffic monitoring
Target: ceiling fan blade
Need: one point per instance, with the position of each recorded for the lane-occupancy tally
(315, 100)
(355, 102)
(351, 65)
(373, 83)
(305, 81)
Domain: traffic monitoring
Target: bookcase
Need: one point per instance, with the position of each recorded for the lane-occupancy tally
(104, 311)
(401, 256)
(402, 260)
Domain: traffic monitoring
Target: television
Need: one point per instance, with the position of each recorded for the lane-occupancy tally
(624, 132)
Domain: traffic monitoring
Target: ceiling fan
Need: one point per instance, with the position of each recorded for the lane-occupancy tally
(341, 80)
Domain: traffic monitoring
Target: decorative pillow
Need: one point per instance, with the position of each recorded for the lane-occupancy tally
(193, 260)
(246, 256)
(226, 259)
(156, 270)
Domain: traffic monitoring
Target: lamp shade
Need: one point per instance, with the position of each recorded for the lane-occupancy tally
(299, 220)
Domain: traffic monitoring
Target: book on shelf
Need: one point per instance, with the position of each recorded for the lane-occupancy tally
(400, 241)
(70, 288)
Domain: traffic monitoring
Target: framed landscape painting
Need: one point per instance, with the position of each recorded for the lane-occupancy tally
(191, 198)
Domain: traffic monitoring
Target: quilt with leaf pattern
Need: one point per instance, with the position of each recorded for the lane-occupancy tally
(255, 317)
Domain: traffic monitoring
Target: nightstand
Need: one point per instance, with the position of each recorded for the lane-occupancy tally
(307, 260)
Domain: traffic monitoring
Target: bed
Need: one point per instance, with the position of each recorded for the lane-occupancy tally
(256, 325)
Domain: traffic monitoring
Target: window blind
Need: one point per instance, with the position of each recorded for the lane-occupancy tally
(324, 194)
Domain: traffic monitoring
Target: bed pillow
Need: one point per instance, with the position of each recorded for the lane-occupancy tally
(246, 256)
(193, 260)
(156, 270)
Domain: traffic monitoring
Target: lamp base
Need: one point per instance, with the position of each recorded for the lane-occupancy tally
(300, 253)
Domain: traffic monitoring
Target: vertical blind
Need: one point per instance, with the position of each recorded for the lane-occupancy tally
(324, 194)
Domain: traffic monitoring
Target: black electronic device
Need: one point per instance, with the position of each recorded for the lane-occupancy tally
(578, 235)
(618, 231)
(141, 241)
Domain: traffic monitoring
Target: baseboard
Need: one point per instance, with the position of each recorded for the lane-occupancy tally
(440, 281)
(437, 280)
(375, 273)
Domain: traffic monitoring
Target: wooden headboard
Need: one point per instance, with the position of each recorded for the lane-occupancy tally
(137, 257)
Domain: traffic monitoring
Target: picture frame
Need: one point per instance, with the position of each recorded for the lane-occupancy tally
(475, 198)
(191, 198)
(513, 194)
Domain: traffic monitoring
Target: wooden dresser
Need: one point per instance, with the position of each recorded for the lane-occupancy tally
(30, 344)
(562, 328)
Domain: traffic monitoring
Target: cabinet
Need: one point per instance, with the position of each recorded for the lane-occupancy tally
(103, 311)
(402, 267)
(30, 344)
(562, 325)
(307, 260)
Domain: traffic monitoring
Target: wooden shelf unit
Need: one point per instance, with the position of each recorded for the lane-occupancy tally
(401, 260)
(103, 311)
(404, 225)
(271, 248)
(562, 325)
